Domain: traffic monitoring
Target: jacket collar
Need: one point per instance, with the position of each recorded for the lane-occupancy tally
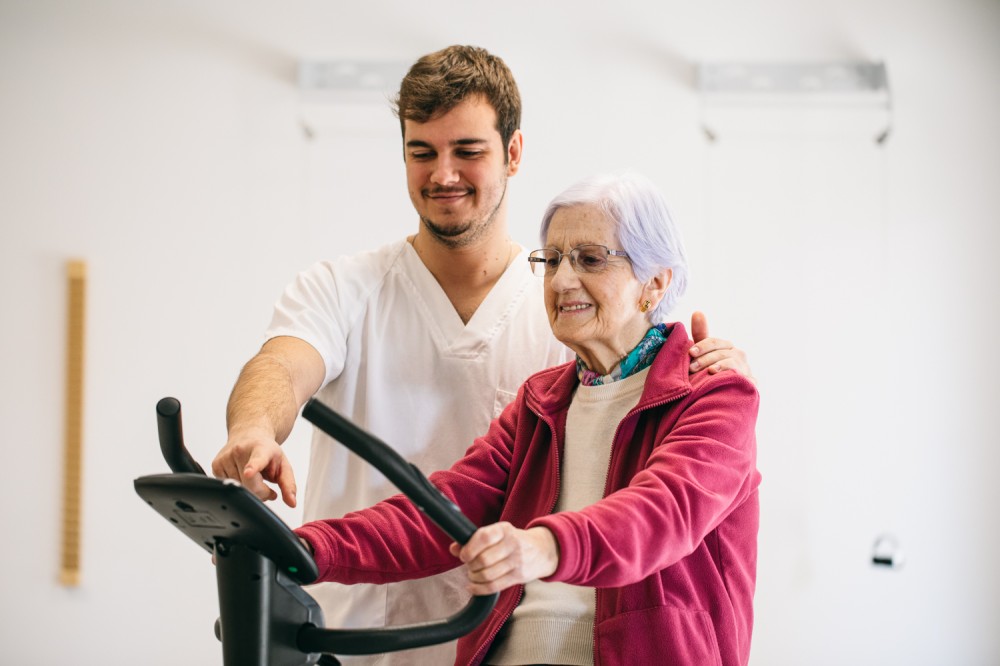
(552, 390)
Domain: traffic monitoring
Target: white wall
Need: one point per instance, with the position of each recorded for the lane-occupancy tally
(161, 143)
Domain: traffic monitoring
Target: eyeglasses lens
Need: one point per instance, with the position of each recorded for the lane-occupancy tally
(590, 258)
(584, 258)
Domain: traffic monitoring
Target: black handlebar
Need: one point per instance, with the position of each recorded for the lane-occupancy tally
(435, 506)
(168, 424)
(404, 475)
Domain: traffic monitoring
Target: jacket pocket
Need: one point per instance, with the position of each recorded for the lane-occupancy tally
(664, 636)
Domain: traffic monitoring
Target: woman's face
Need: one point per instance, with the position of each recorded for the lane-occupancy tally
(596, 315)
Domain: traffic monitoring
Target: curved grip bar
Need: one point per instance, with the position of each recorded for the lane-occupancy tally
(432, 503)
(402, 474)
(168, 423)
(392, 639)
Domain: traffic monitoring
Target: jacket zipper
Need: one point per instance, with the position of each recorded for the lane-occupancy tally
(478, 656)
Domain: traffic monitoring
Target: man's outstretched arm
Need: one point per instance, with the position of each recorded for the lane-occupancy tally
(262, 409)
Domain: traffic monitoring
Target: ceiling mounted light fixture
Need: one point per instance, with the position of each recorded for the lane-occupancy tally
(833, 98)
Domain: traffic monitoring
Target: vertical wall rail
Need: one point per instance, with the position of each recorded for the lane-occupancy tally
(76, 274)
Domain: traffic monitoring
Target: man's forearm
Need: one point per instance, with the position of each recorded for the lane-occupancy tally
(263, 398)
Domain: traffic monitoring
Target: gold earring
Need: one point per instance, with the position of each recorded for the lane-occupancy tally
(644, 306)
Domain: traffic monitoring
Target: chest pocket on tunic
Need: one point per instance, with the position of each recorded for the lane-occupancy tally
(501, 400)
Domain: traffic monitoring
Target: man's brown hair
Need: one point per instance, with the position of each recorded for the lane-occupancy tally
(439, 81)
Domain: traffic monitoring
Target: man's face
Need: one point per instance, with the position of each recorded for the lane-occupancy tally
(457, 169)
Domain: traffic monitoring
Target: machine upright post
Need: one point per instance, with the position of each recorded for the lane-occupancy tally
(244, 580)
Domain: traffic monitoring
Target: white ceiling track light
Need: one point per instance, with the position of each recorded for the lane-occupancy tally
(792, 99)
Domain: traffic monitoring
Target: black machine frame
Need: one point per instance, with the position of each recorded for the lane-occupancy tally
(265, 617)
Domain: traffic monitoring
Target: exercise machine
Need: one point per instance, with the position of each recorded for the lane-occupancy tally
(265, 617)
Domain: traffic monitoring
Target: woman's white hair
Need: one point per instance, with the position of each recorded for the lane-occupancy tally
(643, 224)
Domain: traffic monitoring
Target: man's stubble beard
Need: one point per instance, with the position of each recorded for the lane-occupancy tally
(468, 233)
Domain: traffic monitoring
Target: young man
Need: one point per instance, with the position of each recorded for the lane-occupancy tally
(422, 342)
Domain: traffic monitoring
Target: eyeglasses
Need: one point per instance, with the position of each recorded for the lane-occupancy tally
(583, 258)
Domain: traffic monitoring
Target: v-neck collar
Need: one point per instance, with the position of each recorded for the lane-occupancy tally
(470, 339)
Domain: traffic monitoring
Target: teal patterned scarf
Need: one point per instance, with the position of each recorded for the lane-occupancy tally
(635, 361)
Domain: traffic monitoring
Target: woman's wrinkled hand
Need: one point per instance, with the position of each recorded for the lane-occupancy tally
(501, 555)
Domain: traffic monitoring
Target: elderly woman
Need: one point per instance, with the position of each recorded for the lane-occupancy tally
(619, 491)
